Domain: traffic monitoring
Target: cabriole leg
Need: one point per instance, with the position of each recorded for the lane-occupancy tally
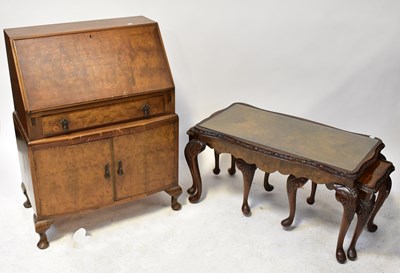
(27, 203)
(311, 198)
(41, 226)
(348, 198)
(175, 192)
(216, 169)
(364, 209)
(192, 149)
(248, 171)
(232, 169)
(292, 184)
(267, 185)
(383, 193)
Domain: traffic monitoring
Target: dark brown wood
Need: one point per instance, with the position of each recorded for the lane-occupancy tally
(232, 169)
(375, 178)
(364, 209)
(192, 149)
(348, 198)
(267, 185)
(311, 198)
(216, 169)
(290, 145)
(248, 134)
(292, 184)
(94, 116)
(248, 171)
(27, 203)
(383, 193)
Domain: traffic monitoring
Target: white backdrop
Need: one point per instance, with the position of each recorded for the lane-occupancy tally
(332, 61)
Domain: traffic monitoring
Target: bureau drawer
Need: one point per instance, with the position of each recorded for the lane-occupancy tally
(102, 115)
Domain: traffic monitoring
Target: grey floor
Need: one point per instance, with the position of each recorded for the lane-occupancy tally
(211, 236)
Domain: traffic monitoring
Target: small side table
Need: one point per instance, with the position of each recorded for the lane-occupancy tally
(302, 149)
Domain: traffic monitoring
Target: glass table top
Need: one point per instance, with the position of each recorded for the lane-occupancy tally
(292, 135)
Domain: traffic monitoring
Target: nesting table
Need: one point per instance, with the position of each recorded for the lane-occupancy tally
(349, 163)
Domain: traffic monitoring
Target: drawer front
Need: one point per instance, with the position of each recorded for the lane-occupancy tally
(102, 115)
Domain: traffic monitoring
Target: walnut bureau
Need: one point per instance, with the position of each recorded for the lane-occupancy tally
(94, 116)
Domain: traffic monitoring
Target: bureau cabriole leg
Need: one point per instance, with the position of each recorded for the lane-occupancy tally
(311, 198)
(248, 171)
(192, 149)
(292, 184)
(364, 209)
(216, 170)
(383, 193)
(41, 226)
(27, 203)
(348, 198)
(232, 169)
(175, 192)
(267, 185)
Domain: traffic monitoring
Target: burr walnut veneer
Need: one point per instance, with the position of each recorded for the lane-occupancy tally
(94, 115)
(349, 163)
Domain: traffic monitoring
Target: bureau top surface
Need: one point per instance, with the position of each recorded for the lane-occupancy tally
(73, 27)
(75, 63)
(293, 136)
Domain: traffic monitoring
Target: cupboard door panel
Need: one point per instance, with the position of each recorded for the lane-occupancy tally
(148, 160)
(72, 178)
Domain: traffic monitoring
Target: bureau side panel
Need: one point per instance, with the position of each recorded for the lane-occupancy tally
(15, 84)
(27, 173)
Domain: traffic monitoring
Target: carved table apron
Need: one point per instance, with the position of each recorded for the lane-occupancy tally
(302, 149)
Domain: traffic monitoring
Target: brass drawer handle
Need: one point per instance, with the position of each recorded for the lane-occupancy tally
(120, 170)
(145, 109)
(107, 171)
(64, 123)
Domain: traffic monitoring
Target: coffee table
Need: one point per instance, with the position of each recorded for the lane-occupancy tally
(300, 148)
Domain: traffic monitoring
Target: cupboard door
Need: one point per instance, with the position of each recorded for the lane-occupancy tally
(146, 161)
(72, 178)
